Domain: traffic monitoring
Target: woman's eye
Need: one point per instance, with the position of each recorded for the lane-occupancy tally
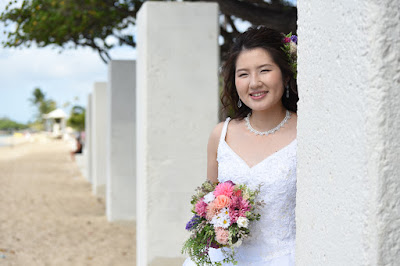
(265, 70)
(242, 75)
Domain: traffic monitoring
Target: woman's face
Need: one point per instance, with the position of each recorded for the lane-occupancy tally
(258, 80)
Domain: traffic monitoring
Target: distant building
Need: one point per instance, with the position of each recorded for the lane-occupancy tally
(55, 122)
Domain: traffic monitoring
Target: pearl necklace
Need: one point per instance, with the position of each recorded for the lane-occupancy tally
(271, 131)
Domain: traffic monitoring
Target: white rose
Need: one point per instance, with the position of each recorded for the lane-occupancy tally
(209, 197)
(242, 222)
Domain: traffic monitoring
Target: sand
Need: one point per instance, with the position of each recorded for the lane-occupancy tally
(48, 215)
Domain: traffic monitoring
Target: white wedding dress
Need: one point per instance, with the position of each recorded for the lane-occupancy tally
(272, 240)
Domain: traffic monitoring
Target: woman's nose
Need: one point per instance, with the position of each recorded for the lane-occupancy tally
(254, 81)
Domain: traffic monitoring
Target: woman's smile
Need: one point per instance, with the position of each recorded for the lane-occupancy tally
(258, 95)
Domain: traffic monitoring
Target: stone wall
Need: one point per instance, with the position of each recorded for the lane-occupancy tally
(348, 196)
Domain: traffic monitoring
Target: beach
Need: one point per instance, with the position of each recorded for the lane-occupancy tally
(49, 215)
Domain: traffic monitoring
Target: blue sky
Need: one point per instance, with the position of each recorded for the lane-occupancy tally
(62, 76)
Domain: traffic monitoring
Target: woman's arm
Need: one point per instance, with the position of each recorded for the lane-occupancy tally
(212, 164)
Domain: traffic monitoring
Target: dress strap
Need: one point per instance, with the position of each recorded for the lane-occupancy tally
(224, 129)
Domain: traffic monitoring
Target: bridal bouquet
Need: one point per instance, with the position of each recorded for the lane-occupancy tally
(222, 213)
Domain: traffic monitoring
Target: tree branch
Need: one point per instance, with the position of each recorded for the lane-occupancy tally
(282, 18)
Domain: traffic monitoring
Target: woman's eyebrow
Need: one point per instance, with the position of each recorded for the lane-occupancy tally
(264, 65)
(241, 69)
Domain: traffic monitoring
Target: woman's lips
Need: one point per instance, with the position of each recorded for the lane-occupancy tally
(258, 95)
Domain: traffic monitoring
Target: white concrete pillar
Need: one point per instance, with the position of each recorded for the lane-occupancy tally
(177, 99)
(99, 126)
(121, 141)
(348, 196)
(87, 149)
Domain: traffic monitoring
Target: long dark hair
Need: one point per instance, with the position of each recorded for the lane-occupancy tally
(257, 37)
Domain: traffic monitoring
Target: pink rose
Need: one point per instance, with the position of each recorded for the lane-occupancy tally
(222, 201)
(221, 235)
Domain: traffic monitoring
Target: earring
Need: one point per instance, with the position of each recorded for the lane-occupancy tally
(239, 104)
(287, 90)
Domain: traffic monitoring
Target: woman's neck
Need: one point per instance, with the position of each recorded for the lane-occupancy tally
(267, 119)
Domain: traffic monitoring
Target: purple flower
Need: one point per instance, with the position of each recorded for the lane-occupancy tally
(193, 222)
(294, 38)
(214, 245)
(230, 182)
(211, 244)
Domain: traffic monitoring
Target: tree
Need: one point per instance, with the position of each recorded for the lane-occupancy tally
(38, 96)
(9, 125)
(44, 105)
(77, 118)
(91, 23)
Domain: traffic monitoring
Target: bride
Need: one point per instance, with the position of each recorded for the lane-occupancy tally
(258, 144)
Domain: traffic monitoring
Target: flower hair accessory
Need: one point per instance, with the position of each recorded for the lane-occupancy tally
(290, 48)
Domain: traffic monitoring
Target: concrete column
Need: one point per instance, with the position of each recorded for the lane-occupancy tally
(99, 126)
(348, 196)
(177, 98)
(88, 138)
(121, 141)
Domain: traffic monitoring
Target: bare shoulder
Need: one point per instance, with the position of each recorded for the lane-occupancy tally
(234, 123)
(212, 147)
(216, 134)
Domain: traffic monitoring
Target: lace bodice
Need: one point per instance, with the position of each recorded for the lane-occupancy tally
(274, 234)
